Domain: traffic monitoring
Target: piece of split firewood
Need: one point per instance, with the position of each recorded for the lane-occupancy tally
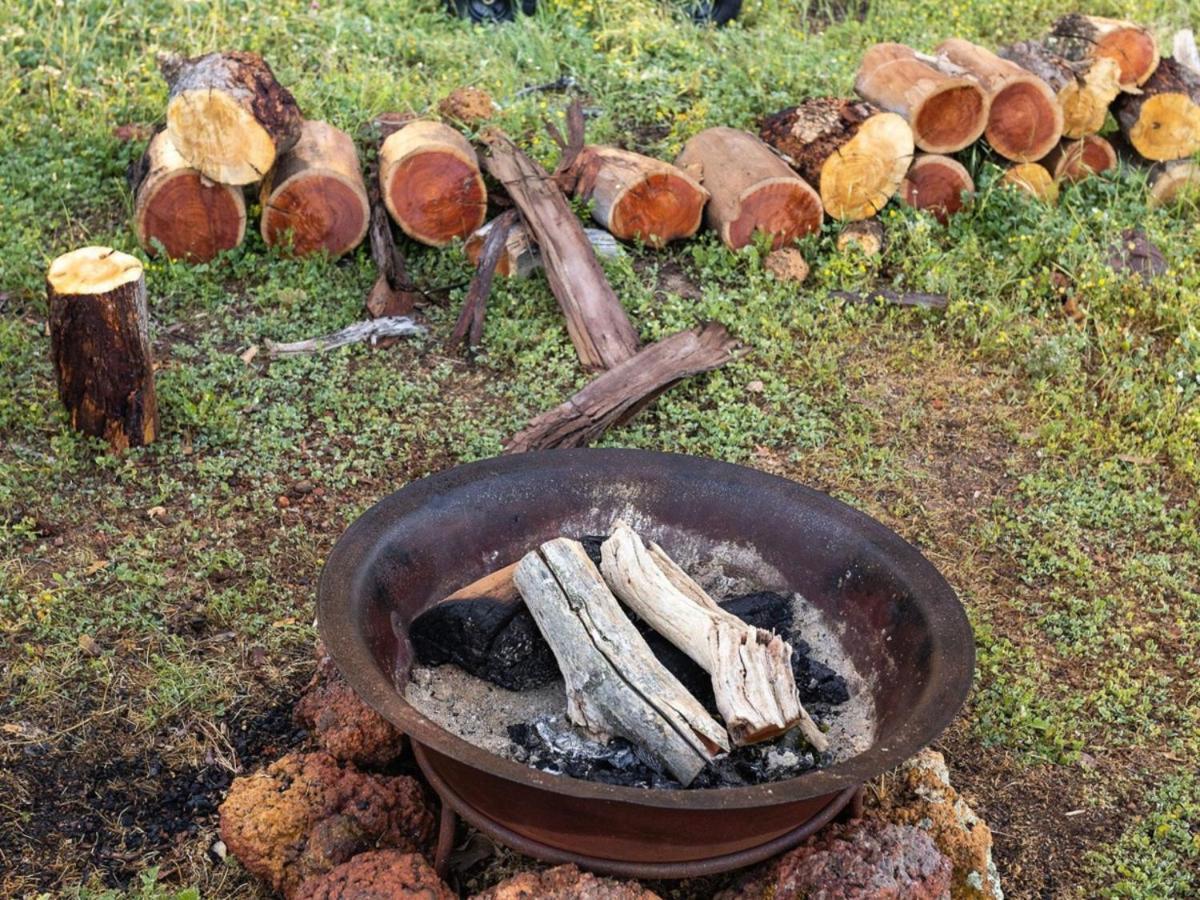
(620, 393)
(751, 669)
(370, 330)
(614, 684)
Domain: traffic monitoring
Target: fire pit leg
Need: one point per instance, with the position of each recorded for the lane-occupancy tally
(853, 809)
(446, 831)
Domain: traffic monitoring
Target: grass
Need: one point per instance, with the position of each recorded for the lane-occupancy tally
(1049, 467)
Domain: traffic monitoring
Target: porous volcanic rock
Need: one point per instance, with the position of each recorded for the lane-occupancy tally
(859, 861)
(343, 724)
(920, 794)
(468, 105)
(378, 875)
(565, 883)
(307, 813)
(787, 264)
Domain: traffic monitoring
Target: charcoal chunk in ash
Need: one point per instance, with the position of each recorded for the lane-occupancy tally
(493, 639)
(820, 686)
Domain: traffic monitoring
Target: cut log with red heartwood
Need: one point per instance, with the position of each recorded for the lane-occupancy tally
(752, 190)
(1025, 120)
(100, 345)
(431, 183)
(636, 197)
(314, 199)
(598, 325)
(1163, 121)
(391, 294)
(228, 116)
(946, 112)
(751, 669)
(1077, 37)
(1073, 161)
(853, 152)
(177, 209)
(1032, 178)
(937, 184)
(1084, 88)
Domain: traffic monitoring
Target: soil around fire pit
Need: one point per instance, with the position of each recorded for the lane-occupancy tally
(530, 726)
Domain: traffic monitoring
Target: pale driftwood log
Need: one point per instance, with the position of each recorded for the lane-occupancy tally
(371, 330)
(614, 683)
(176, 208)
(314, 199)
(598, 325)
(896, 298)
(1084, 88)
(228, 116)
(100, 345)
(1185, 51)
(1025, 119)
(1078, 37)
(752, 190)
(620, 393)
(751, 669)
(852, 152)
(946, 112)
(521, 257)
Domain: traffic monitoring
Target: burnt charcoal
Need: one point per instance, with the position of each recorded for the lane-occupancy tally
(819, 686)
(495, 640)
(591, 546)
(767, 610)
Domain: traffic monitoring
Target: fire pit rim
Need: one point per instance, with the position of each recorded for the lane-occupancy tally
(346, 567)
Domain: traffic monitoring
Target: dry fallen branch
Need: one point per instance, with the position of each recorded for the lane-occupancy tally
(370, 330)
(898, 298)
(392, 294)
(618, 394)
(469, 326)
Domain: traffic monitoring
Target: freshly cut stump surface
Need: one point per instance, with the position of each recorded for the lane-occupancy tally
(752, 189)
(431, 183)
(175, 206)
(315, 196)
(1163, 121)
(937, 184)
(1073, 161)
(228, 116)
(1131, 46)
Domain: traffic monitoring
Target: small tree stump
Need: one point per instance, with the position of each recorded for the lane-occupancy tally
(752, 189)
(1163, 121)
(431, 183)
(100, 345)
(854, 153)
(176, 207)
(228, 116)
(946, 112)
(315, 196)
(1025, 120)
(636, 197)
(1077, 37)
(937, 184)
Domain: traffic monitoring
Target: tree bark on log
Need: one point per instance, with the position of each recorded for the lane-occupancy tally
(1025, 120)
(1174, 182)
(599, 327)
(315, 197)
(1077, 37)
(946, 112)
(521, 257)
(1085, 89)
(176, 206)
(391, 294)
(614, 684)
(1162, 123)
(937, 184)
(1072, 161)
(636, 197)
(100, 345)
(228, 116)
(854, 153)
(1033, 179)
(751, 189)
(431, 182)
(751, 669)
(469, 326)
(621, 392)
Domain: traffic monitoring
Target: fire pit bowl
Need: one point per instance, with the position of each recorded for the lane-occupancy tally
(899, 621)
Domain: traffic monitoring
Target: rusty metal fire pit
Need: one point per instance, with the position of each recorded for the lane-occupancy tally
(903, 627)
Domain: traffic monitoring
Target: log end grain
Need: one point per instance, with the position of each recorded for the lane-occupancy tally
(937, 184)
(1073, 161)
(431, 183)
(1026, 119)
(1085, 100)
(857, 181)
(1034, 180)
(1134, 50)
(92, 270)
(952, 117)
(1167, 127)
(782, 208)
(660, 208)
(220, 136)
(1175, 182)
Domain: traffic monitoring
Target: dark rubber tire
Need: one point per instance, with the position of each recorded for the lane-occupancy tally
(718, 12)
